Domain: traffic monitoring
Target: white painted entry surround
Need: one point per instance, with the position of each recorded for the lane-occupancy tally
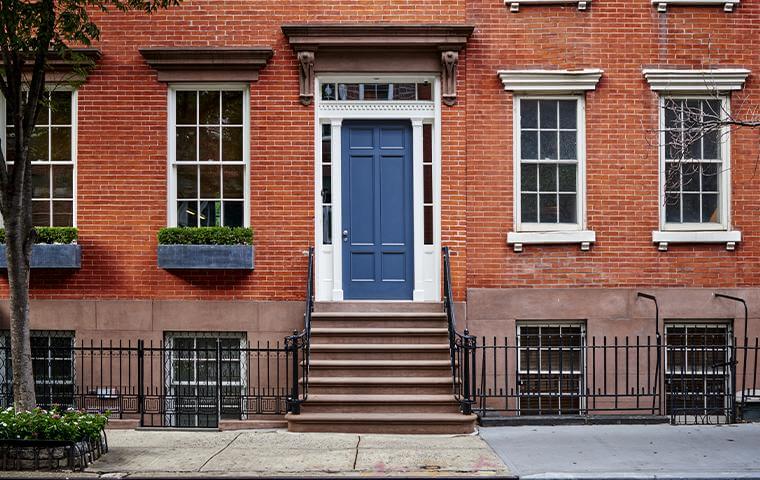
(427, 258)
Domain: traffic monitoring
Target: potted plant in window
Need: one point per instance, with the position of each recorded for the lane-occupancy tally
(56, 247)
(211, 248)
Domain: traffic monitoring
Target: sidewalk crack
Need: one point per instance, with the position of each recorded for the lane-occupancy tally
(200, 469)
(356, 454)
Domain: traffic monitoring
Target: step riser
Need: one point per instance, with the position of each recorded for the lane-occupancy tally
(400, 429)
(332, 339)
(381, 372)
(309, 407)
(380, 389)
(376, 323)
(370, 355)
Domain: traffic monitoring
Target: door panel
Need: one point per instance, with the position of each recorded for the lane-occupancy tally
(378, 253)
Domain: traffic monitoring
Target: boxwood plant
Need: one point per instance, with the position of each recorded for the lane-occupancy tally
(51, 235)
(205, 236)
(68, 425)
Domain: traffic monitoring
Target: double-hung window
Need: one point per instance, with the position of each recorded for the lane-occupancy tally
(209, 156)
(549, 132)
(52, 151)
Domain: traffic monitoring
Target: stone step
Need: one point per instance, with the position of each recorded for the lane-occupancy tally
(380, 351)
(369, 368)
(332, 403)
(378, 320)
(336, 335)
(440, 385)
(391, 423)
(378, 307)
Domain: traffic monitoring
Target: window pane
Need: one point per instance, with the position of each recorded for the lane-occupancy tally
(424, 91)
(63, 213)
(672, 177)
(547, 178)
(211, 214)
(529, 208)
(568, 149)
(326, 184)
(232, 108)
(44, 114)
(328, 91)
(567, 209)
(38, 146)
(710, 145)
(548, 145)
(709, 177)
(40, 181)
(185, 144)
(208, 108)
(710, 208)
(528, 113)
(187, 214)
(529, 145)
(672, 113)
(327, 225)
(694, 148)
(427, 143)
(234, 177)
(673, 145)
(60, 104)
(548, 208)
(673, 208)
(63, 181)
(690, 175)
(41, 213)
(208, 144)
(567, 178)
(428, 183)
(185, 109)
(60, 144)
(210, 187)
(691, 207)
(428, 225)
(548, 113)
(187, 181)
(232, 144)
(529, 177)
(567, 114)
(233, 214)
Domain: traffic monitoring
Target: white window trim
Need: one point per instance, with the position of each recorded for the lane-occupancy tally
(695, 81)
(728, 5)
(171, 203)
(697, 232)
(550, 81)
(514, 5)
(554, 233)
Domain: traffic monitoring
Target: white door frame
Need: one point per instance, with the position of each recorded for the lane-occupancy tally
(329, 261)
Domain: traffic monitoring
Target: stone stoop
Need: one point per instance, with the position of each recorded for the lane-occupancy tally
(380, 368)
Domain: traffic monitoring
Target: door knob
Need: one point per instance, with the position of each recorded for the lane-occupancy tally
(345, 235)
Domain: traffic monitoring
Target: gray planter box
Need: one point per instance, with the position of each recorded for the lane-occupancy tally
(205, 257)
(51, 256)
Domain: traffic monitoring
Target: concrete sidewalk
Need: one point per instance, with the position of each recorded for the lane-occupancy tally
(255, 453)
(629, 451)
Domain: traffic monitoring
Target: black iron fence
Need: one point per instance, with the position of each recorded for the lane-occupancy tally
(698, 375)
(185, 381)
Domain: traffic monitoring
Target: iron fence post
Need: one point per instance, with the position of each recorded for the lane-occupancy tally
(140, 379)
(218, 381)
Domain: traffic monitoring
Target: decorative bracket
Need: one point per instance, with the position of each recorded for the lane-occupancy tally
(449, 62)
(306, 76)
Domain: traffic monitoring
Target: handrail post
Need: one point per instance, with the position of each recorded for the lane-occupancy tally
(140, 379)
(295, 406)
(218, 381)
(657, 379)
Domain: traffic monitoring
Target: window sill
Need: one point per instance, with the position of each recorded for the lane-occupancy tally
(514, 5)
(51, 256)
(205, 257)
(663, 238)
(584, 237)
(728, 5)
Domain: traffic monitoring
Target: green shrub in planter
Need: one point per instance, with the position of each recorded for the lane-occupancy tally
(69, 425)
(52, 235)
(205, 236)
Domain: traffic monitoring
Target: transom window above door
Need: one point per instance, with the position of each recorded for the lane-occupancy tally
(209, 156)
(422, 91)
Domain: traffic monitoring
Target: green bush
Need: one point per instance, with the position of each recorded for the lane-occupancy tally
(70, 425)
(50, 235)
(205, 236)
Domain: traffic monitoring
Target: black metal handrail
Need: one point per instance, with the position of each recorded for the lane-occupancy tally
(299, 390)
(461, 345)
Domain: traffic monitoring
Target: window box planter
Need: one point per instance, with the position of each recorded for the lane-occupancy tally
(50, 256)
(206, 257)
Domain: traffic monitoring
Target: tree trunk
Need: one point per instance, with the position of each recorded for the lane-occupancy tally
(18, 249)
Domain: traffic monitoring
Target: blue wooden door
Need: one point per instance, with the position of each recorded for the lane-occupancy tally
(378, 253)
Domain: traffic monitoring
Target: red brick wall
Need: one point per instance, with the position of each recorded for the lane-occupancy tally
(122, 146)
(621, 37)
